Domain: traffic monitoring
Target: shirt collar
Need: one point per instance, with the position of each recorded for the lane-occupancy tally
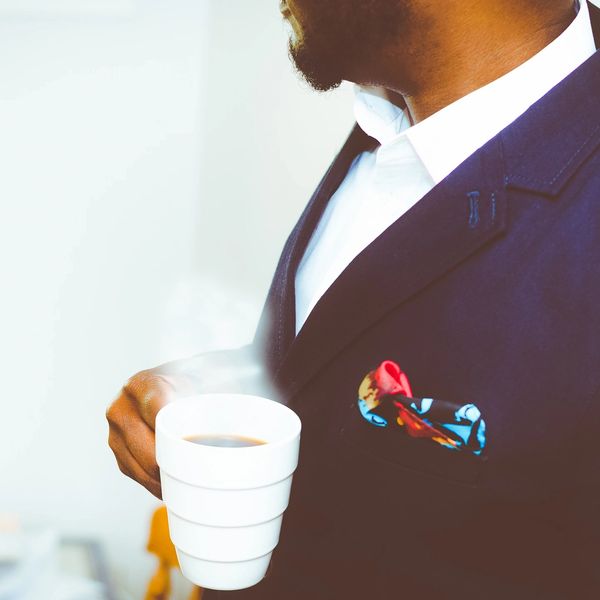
(445, 139)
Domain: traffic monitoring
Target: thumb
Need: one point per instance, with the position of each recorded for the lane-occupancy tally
(150, 391)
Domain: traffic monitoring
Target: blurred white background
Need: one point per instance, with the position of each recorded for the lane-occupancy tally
(153, 157)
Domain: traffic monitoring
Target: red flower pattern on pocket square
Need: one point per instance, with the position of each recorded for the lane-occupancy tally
(385, 396)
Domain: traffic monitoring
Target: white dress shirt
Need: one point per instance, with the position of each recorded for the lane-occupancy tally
(383, 184)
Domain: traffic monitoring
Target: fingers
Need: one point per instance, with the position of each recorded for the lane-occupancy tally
(130, 467)
(140, 441)
(138, 438)
(131, 419)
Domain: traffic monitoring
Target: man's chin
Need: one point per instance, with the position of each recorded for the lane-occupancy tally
(320, 73)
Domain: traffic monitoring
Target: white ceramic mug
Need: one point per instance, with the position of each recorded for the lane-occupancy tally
(226, 505)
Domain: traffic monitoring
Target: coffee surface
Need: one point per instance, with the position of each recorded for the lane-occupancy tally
(224, 441)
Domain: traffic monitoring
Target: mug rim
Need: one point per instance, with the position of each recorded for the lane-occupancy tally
(161, 429)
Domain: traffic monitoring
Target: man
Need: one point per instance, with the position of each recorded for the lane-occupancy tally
(446, 270)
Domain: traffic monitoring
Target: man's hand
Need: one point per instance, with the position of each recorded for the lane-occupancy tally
(132, 415)
(131, 426)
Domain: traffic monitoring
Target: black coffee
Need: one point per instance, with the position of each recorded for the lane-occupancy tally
(224, 441)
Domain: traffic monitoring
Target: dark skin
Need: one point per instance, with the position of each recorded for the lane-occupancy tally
(437, 52)
(433, 55)
(503, 44)
(131, 427)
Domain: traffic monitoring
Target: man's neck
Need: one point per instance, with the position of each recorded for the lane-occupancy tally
(459, 51)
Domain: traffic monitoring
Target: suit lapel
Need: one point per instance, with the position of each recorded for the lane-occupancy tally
(458, 218)
(453, 221)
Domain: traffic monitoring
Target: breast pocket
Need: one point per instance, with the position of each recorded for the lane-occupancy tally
(381, 446)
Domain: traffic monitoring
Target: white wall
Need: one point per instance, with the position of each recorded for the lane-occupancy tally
(151, 164)
(269, 137)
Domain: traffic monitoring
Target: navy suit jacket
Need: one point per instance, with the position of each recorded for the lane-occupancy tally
(486, 291)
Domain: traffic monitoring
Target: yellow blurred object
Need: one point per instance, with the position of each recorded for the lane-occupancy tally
(159, 543)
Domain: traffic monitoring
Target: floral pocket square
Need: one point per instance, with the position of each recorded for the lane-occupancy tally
(385, 399)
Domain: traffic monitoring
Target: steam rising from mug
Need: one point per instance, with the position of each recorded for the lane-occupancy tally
(232, 371)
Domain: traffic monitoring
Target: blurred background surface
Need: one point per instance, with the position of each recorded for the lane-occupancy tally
(153, 158)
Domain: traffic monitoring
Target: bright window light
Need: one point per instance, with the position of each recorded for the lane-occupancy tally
(66, 7)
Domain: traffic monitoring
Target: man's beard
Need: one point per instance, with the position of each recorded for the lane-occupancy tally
(344, 38)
